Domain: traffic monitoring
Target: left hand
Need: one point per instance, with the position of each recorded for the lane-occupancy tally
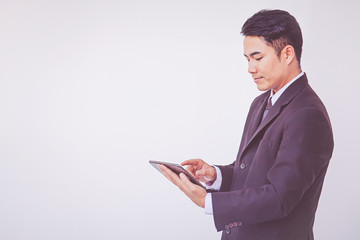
(196, 193)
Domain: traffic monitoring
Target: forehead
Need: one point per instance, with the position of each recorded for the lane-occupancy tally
(255, 44)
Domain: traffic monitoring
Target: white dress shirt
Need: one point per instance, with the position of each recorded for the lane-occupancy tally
(217, 183)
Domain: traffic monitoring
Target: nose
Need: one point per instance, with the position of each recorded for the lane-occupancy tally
(251, 67)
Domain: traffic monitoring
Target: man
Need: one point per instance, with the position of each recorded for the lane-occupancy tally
(272, 189)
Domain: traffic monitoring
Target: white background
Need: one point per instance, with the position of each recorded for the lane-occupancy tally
(92, 90)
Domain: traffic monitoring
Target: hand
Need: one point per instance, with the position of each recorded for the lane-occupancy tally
(200, 170)
(196, 193)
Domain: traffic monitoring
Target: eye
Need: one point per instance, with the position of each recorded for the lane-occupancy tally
(258, 59)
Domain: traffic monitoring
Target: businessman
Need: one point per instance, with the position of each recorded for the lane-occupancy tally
(271, 191)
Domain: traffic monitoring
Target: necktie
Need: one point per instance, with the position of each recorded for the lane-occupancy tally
(267, 108)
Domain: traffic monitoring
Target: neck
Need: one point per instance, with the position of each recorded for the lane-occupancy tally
(287, 78)
(293, 74)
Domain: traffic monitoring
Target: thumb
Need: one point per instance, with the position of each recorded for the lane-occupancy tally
(208, 174)
(204, 172)
(200, 172)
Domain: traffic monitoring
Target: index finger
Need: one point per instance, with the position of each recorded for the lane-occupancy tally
(190, 162)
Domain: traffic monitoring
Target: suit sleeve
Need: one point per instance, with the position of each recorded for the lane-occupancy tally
(227, 173)
(304, 151)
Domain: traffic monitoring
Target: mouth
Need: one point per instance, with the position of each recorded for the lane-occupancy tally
(257, 79)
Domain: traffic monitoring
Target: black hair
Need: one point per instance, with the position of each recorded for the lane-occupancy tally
(278, 28)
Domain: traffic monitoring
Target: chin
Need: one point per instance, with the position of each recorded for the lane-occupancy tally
(262, 88)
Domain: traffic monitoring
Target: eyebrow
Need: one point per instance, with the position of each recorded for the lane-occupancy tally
(252, 54)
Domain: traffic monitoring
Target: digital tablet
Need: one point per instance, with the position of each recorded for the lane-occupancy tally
(176, 168)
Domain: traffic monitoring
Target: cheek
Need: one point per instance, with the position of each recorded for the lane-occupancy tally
(270, 69)
(265, 69)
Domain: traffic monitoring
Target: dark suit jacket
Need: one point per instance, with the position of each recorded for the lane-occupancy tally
(272, 189)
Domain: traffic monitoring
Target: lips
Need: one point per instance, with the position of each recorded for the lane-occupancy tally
(257, 79)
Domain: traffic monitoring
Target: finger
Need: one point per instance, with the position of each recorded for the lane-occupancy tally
(164, 171)
(206, 173)
(201, 172)
(162, 167)
(190, 168)
(187, 186)
(192, 171)
(191, 162)
(185, 180)
(174, 178)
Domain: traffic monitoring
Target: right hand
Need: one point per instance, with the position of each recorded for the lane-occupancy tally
(200, 170)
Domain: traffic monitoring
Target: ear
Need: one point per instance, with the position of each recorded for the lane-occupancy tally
(288, 54)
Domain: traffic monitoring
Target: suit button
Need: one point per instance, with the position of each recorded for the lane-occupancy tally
(239, 223)
(235, 224)
(227, 227)
(227, 231)
(231, 225)
(242, 165)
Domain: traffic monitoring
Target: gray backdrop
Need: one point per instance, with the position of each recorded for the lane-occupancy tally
(91, 90)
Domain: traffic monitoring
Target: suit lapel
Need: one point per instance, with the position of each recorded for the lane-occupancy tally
(284, 99)
(258, 113)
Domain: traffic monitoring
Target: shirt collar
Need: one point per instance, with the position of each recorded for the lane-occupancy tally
(275, 97)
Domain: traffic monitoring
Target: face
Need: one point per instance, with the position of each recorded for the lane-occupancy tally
(267, 70)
